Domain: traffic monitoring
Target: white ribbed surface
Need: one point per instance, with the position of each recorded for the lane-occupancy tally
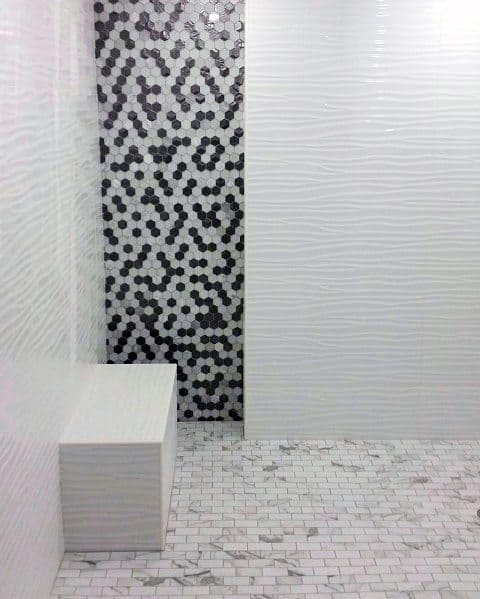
(363, 219)
(51, 272)
(116, 475)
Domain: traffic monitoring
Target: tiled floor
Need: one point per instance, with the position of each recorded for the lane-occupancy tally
(304, 519)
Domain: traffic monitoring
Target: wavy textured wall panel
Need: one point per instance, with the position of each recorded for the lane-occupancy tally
(363, 219)
(51, 298)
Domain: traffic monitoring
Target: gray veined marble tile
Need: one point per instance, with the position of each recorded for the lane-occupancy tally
(304, 519)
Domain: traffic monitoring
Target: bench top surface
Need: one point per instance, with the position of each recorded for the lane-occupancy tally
(123, 403)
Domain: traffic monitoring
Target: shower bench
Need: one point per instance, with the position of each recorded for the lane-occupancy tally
(117, 459)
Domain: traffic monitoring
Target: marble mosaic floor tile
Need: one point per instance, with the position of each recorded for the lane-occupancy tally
(303, 519)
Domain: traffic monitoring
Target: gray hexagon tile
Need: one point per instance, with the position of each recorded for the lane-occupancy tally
(170, 90)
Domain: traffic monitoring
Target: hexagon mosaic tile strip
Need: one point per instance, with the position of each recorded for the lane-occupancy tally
(170, 89)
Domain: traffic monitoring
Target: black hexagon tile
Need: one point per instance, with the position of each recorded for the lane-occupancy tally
(170, 90)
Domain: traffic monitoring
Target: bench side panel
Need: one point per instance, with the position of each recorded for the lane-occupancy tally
(111, 497)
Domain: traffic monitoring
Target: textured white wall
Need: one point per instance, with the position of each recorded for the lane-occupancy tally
(363, 218)
(51, 271)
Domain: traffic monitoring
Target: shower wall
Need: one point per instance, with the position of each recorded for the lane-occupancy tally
(363, 219)
(170, 90)
(52, 321)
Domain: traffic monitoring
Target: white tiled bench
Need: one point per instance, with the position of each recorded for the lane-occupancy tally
(117, 459)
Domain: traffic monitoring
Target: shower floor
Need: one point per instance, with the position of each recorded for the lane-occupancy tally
(303, 519)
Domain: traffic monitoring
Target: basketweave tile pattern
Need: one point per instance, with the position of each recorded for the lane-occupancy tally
(347, 519)
(170, 90)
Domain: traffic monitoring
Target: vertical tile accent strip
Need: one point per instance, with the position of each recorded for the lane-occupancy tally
(170, 89)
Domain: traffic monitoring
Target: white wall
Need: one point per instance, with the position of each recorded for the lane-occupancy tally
(51, 271)
(363, 219)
